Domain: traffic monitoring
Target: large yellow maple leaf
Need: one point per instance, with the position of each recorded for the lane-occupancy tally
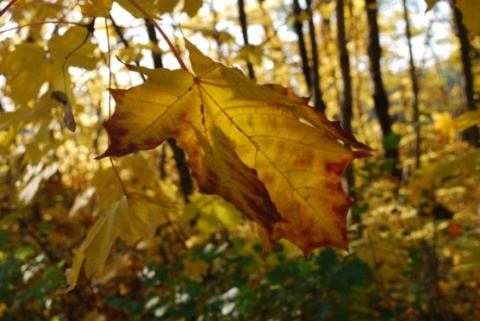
(276, 159)
(470, 12)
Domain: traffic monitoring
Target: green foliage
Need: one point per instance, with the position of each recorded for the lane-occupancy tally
(28, 281)
(326, 286)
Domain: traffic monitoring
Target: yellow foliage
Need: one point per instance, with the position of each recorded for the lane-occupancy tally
(468, 119)
(17, 65)
(444, 125)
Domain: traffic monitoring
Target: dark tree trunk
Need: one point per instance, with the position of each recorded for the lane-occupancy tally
(471, 135)
(315, 70)
(346, 97)
(379, 95)
(414, 80)
(298, 26)
(186, 183)
(243, 23)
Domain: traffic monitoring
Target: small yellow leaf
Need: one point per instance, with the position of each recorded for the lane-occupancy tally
(211, 213)
(468, 119)
(103, 234)
(94, 250)
(96, 8)
(74, 273)
(191, 7)
(131, 219)
(444, 125)
(145, 215)
(166, 6)
(23, 115)
(252, 54)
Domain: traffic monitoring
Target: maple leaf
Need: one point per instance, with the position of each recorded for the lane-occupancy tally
(276, 159)
(131, 218)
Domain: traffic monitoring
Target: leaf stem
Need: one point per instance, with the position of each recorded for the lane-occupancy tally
(164, 35)
(122, 185)
(109, 60)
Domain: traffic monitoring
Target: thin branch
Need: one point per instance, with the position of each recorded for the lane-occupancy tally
(39, 23)
(90, 30)
(11, 3)
(118, 31)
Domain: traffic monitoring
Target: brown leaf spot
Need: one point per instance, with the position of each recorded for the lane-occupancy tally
(151, 142)
(336, 168)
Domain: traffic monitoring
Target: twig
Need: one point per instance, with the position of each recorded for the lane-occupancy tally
(39, 23)
(11, 3)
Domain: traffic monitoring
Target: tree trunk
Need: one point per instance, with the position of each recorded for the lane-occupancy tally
(379, 95)
(346, 112)
(186, 183)
(315, 70)
(471, 135)
(298, 26)
(414, 80)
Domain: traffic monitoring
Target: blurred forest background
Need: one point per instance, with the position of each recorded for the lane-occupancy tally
(402, 79)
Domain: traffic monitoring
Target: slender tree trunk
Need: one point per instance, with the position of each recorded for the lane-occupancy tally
(379, 95)
(471, 135)
(186, 183)
(346, 98)
(315, 70)
(414, 80)
(298, 26)
(243, 23)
